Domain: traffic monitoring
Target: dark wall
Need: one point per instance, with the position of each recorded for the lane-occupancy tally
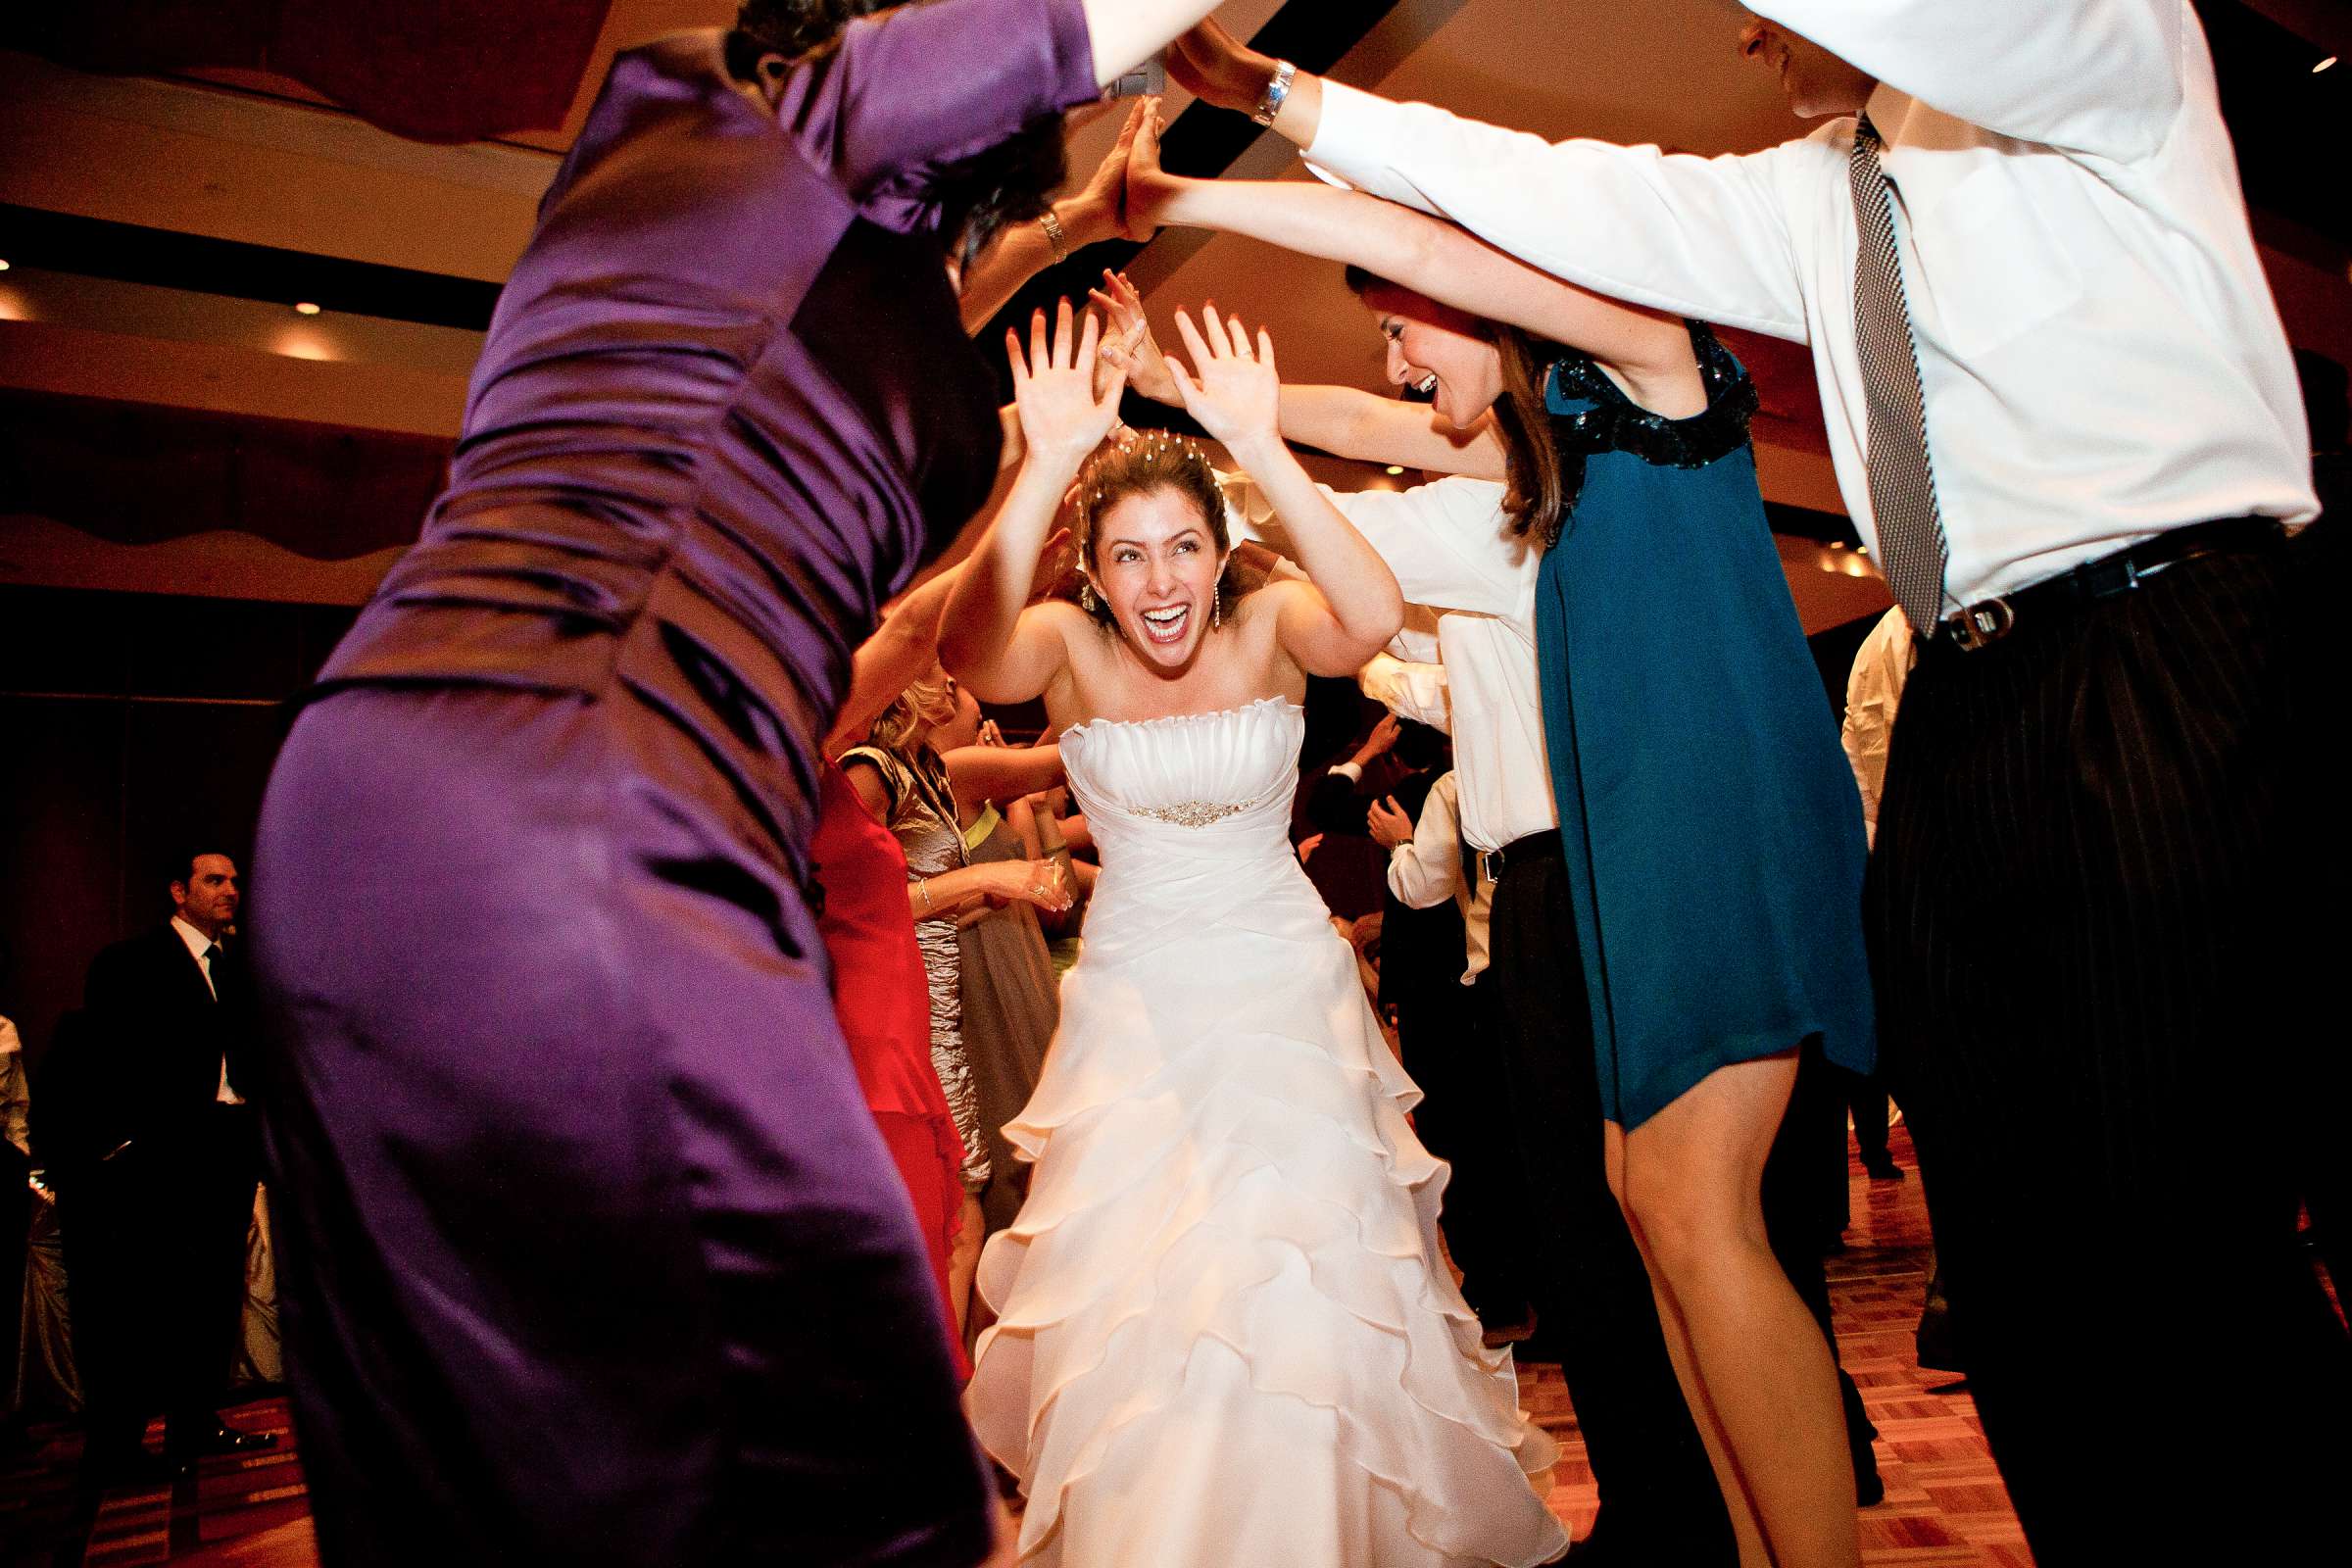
(128, 723)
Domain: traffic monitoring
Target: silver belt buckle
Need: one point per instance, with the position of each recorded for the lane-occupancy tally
(1982, 624)
(1490, 865)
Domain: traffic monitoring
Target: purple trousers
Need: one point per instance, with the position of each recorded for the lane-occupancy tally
(589, 1253)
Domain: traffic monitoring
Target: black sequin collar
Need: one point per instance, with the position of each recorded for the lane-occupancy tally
(1591, 413)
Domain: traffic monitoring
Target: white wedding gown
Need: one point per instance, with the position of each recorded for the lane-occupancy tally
(1224, 1332)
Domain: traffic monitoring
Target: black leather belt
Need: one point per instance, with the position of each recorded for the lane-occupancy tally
(1534, 847)
(1989, 620)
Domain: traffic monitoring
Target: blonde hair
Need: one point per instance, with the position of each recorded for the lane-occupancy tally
(897, 725)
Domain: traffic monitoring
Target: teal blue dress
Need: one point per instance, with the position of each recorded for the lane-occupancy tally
(1709, 822)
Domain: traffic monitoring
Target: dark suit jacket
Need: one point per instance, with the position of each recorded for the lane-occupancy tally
(142, 1063)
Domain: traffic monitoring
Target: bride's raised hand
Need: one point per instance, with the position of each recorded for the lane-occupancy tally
(1232, 387)
(1131, 347)
(1066, 401)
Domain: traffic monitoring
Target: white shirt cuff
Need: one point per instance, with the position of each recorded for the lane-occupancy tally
(1351, 141)
(1352, 772)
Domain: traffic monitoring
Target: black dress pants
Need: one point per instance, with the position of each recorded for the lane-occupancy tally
(1451, 1048)
(1657, 1490)
(16, 1227)
(2096, 854)
(155, 1260)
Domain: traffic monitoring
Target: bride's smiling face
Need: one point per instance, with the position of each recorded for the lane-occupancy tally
(1155, 564)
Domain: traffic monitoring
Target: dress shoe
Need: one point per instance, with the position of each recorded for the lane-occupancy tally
(217, 1442)
(1884, 1169)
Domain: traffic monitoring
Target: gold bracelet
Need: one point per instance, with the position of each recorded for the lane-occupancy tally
(922, 885)
(1054, 234)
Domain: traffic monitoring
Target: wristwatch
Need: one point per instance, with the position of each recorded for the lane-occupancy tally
(1269, 102)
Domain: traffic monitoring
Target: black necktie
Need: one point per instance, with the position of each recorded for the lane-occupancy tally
(212, 958)
(1912, 548)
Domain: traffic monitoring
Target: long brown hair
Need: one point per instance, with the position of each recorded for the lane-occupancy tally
(1537, 491)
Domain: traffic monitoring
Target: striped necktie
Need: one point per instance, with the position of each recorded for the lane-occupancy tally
(1912, 548)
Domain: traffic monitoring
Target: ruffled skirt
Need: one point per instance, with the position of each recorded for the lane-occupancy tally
(1225, 1334)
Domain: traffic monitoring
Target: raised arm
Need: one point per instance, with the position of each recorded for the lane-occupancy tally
(1415, 251)
(1005, 652)
(1343, 420)
(1098, 212)
(1128, 33)
(1351, 608)
(894, 657)
(1694, 236)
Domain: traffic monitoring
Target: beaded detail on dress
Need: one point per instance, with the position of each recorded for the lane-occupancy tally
(1590, 414)
(1195, 814)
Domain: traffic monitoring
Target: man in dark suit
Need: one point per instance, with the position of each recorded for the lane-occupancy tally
(156, 1153)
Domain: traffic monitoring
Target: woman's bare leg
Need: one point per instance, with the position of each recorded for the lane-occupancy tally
(1745, 1532)
(1691, 1176)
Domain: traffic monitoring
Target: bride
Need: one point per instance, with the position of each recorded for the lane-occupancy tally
(1224, 1334)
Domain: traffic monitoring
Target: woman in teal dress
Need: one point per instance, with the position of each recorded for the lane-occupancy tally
(1709, 821)
(1710, 831)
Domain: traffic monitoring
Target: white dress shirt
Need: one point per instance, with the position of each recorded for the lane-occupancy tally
(1426, 870)
(1413, 689)
(198, 944)
(2100, 353)
(1874, 689)
(1451, 549)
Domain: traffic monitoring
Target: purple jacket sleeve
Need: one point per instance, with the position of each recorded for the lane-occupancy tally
(921, 85)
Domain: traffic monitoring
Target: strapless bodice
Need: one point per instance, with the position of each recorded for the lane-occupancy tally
(1190, 815)
(1217, 784)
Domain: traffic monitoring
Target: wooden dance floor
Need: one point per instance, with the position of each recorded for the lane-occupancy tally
(1945, 1506)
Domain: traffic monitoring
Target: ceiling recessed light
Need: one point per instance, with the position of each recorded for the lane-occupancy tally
(3, 267)
(2323, 64)
(1396, 468)
(306, 308)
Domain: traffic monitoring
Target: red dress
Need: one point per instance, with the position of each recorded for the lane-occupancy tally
(884, 1008)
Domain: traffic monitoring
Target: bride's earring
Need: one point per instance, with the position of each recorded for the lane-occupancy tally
(1216, 606)
(1086, 594)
